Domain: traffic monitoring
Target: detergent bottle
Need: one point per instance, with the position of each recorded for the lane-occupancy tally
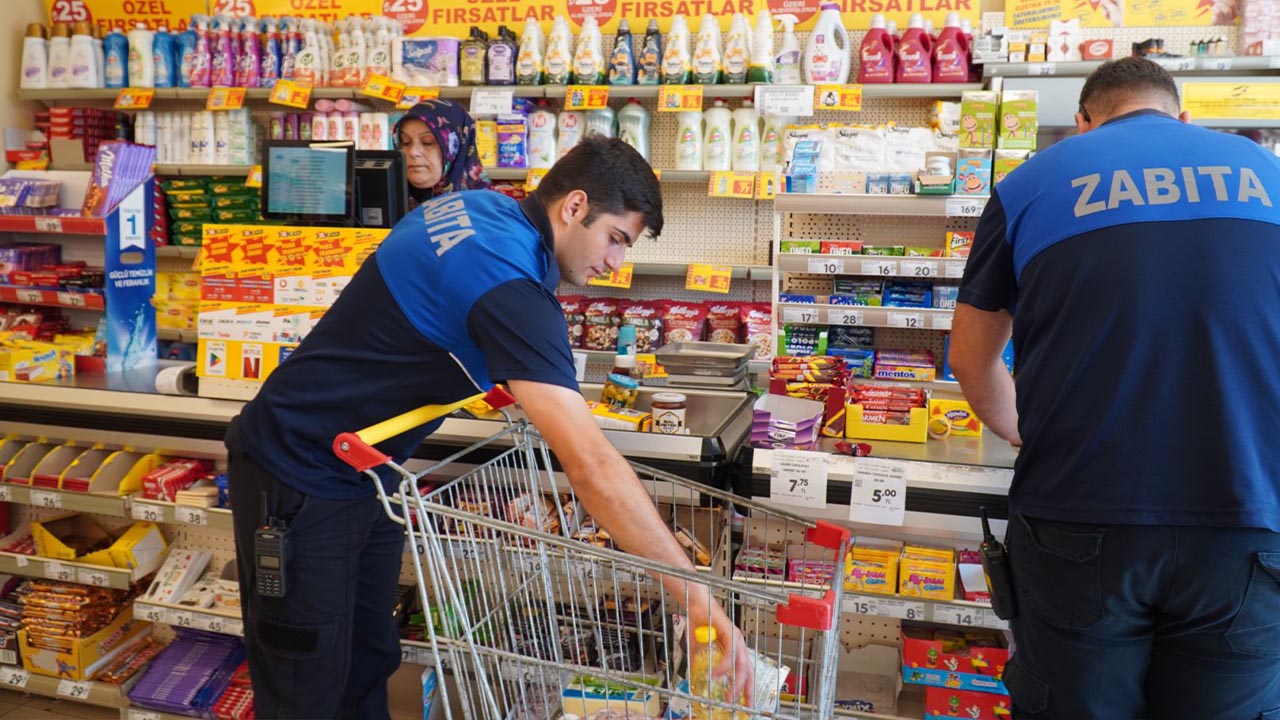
(649, 59)
(786, 65)
(915, 53)
(826, 59)
(761, 69)
(951, 56)
(876, 54)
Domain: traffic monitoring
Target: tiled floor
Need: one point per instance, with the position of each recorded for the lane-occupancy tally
(16, 706)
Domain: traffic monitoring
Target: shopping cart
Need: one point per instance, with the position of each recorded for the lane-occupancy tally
(534, 614)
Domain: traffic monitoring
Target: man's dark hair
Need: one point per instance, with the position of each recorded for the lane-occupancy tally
(615, 177)
(1119, 80)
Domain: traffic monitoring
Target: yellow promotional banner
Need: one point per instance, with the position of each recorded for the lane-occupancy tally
(1118, 13)
(125, 14)
(1232, 101)
(224, 98)
(134, 98)
(619, 279)
(701, 277)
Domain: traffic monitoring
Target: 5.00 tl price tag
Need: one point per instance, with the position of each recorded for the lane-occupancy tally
(618, 279)
(879, 492)
(799, 478)
(708, 278)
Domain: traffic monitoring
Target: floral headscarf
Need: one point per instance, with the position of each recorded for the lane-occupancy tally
(455, 133)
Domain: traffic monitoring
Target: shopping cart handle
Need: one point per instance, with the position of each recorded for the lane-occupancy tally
(356, 448)
(828, 535)
(808, 612)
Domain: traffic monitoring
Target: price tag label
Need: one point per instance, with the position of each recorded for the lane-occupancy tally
(844, 317)
(58, 571)
(1041, 69)
(941, 321)
(826, 266)
(30, 296)
(785, 100)
(955, 269)
(291, 94)
(726, 184)
(12, 677)
(47, 500)
(907, 321)
(879, 491)
(414, 95)
(840, 98)
(620, 278)
(800, 315)
(235, 626)
(21, 560)
(96, 578)
(5, 493)
(708, 278)
(74, 690)
(135, 98)
(586, 97)
(135, 714)
(678, 98)
(861, 605)
(71, 299)
(382, 87)
(49, 224)
(1182, 64)
(212, 623)
(534, 179)
(491, 101)
(179, 618)
(191, 515)
(150, 613)
(1215, 64)
(880, 267)
(799, 478)
(254, 179)
(766, 185)
(918, 268)
(224, 98)
(990, 620)
(958, 615)
(965, 207)
(902, 609)
(147, 512)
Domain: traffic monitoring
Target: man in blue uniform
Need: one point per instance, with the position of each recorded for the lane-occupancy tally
(459, 296)
(1137, 267)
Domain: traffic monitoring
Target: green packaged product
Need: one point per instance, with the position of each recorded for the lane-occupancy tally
(203, 212)
(801, 246)
(184, 240)
(183, 185)
(921, 251)
(235, 216)
(885, 250)
(231, 187)
(234, 202)
(188, 197)
(187, 227)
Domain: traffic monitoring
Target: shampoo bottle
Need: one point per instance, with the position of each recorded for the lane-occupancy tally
(649, 60)
(826, 59)
(876, 54)
(35, 59)
(142, 62)
(761, 69)
(622, 64)
(60, 56)
(339, 67)
(633, 127)
(786, 65)
(716, 139)
(708, 63)
(529, 61)
(84, 58)
(676, 56)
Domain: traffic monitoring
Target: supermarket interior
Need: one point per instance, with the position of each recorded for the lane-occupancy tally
(190, 184)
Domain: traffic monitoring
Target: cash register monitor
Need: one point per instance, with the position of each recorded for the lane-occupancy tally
(308, 183)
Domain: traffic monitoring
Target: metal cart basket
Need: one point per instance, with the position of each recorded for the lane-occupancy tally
(533, 614)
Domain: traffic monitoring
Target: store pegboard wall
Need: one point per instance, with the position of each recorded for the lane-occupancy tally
(858, 630)
(220, 542)
(1176, 39)
(873, 229)
(665, 288)
(701, 229)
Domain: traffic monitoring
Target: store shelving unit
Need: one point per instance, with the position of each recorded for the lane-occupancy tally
(919, 268)
(113, 505)
(208, 619)
(92, 300)
(858, 204)
(1197, 64)
(178, 251)
(865, 316)
(88, 692)
(158, 511)
(67, 571)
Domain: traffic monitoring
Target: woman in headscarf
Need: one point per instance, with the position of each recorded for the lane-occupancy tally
(438, 141)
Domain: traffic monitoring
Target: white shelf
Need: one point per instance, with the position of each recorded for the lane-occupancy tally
(113, 505)
(1198, 64)
(918, 90)
(158, 511)
(222, 622)
(919, 205)
(916, 268)
(864, 316)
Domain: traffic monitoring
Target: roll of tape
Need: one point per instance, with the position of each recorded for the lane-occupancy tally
(939, 428)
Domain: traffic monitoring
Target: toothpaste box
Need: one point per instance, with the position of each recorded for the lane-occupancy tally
(978, 118)
(1019, 121)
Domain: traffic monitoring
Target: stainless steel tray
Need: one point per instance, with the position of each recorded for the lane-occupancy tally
(729, 356)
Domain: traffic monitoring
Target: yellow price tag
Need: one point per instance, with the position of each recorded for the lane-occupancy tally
(383, 88)
(708, 278)
(843, 98)
(291, 94)
(414, 95)
(586, 97)
(677, 98)
(619, 279)
(657, 172)
(135, 98)
(1232, 101)
(534, 178)
(725, 184)
(766, 185)
(222, 98)
(254, 178)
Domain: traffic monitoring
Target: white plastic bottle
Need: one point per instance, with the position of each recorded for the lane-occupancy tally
(542, 136)
(221, 139)
(380, 52)
(60, 56)
(708, 55)
(633, 126)
(746, 138)
(677, 55)
(308, 62)
(773, 147)
(588, 59)
(571, 125)
(558, 61)
(35, 59)
(203, 138)
(827, 57)
(142, 61)
(602, 122)
(84, 57)
(357, 55)
(689, 140)
(339, 73)
(716, 139)
(786, 66)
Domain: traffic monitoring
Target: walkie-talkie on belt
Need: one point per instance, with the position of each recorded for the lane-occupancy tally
(270, 552)
(995, 565)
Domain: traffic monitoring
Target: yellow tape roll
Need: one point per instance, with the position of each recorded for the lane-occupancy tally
(939, 428)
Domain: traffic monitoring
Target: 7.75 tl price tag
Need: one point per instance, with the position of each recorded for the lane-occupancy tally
(799, 478)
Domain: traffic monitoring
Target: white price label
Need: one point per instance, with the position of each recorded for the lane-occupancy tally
(150, 613)
(420, 545)
(11, 677)
(491, 101)
(191, 515)
(1041, 69)
(879, 267)
(879, 491)
(902, 609)
(955, 269)
(180, 618)
(844, 317)
(799, 478)
(784, 100)
(58, 571)
(956, 615)
(965, 207)
(5, 493)
(826, 266)
(49, 224)
(74, 690)
(212, 623)
(990, 620)
(135, 714)
(21, 560)
(235, 626)
(147, 512)
(919, 268)
(30, 296)
(47, 500)
(71, 299)
(580, 365)
(941, 321)
(415, 655)
(462, 550)
(908, 321)
(861, 605)
(1182, 64)
(1216, 63)
(799, 315)
(96, 578)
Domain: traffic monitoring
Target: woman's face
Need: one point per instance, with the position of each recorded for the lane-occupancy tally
(423, 160)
